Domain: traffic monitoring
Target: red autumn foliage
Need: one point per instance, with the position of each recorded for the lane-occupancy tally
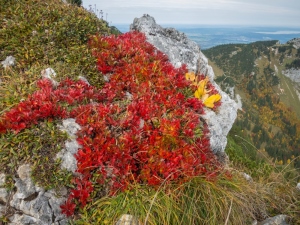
(140, 127)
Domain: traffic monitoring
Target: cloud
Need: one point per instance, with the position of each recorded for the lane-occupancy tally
(279, 32)
(248, 12)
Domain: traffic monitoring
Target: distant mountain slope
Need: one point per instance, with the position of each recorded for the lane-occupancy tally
(295, 42)
(270, 100)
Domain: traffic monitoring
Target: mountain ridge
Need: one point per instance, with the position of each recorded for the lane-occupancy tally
(258, 72)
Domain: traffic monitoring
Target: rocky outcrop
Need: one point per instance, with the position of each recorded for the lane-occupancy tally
(182, 50)
(294, 75)
(295, 42)
(29, 203)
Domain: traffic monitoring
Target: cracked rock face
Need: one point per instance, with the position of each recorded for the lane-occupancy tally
(182, 50)
(31, 204)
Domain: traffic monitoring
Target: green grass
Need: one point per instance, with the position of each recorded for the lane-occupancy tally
(198, 201)
(38, 147)
(42, 34)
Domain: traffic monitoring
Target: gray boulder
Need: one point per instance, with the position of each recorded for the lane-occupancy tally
(182, 50)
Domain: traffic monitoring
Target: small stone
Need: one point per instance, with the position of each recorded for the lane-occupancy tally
(247, 176)
(84, 80)
(276, 220)
(128, 95)
(106, 78)
(127, 219)
(142, 123)
(50, 74)
(9, 61)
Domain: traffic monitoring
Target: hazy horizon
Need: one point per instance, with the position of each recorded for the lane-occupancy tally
(285, 13)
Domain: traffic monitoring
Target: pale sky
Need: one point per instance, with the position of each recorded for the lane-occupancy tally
(219, 12)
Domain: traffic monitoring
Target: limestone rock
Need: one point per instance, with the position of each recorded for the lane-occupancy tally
(247, 177)
(31, 204)
(22, 219)
(293, 74)
(50, 74)
(9, 61)
(71, 146)
(3, 195)
(276, 220)
(84, 79)
(25, 186)
(127, 219)
(70, 126)
(181, 50)
(3, 191)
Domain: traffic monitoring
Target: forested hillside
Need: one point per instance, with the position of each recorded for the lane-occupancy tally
(269, 118)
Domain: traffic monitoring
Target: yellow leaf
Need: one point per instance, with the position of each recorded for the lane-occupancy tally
(201, 89)
(190, 76)
(209, 102)
(197, 94)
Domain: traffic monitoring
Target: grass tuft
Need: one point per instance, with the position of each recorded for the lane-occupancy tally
(198, 201)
